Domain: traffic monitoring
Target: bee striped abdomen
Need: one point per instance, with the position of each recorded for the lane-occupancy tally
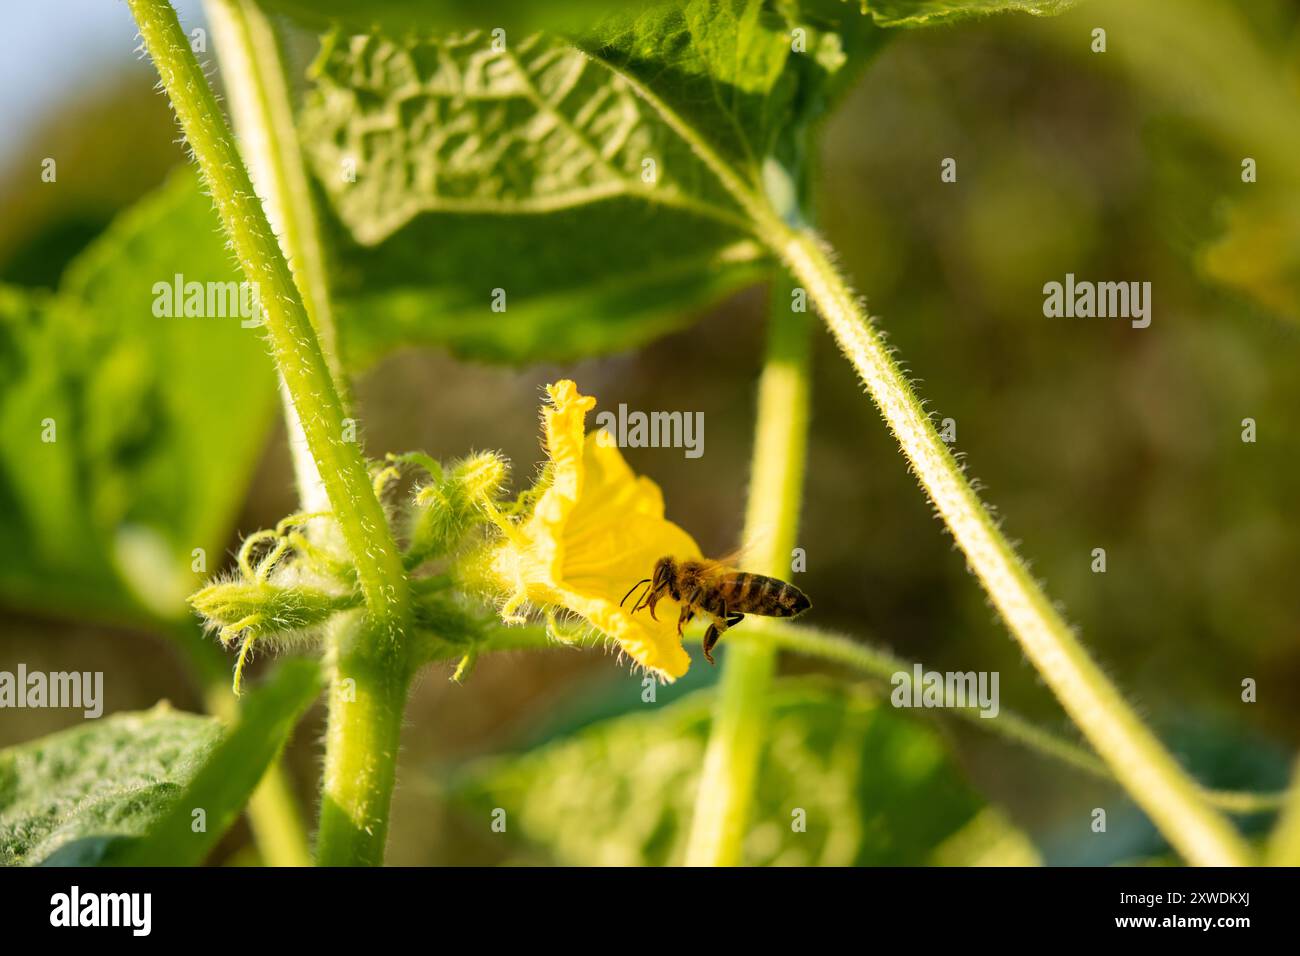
(762, 595)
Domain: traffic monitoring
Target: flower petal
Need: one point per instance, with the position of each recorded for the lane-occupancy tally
(596, 530)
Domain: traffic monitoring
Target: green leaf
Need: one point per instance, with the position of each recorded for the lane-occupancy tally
(157, 422)
(450, 125)
(734, 77)
(123, 790)
(875, 788)
(401, 16)
(567, 296)
(546, 171)
(231, 771)
(77, 791)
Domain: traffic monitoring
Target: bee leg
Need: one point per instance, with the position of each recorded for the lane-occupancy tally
(684, 618)
(710, 639)
(717, 629)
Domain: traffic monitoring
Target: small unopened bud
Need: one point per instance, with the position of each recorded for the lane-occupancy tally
(446, 508)
(481, 475)
(261, 609)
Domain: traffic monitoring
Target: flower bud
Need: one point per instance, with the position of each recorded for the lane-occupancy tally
(262, 609)
(446, 508)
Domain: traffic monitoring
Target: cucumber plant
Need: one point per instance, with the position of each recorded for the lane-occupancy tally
(605, 168)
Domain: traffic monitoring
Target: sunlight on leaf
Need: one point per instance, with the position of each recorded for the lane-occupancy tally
(452, 157)
(454, 126)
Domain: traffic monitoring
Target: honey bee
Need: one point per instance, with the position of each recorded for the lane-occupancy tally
(719, 591)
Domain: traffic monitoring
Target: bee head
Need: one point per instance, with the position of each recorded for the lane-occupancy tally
(664, 573)
(662, 579)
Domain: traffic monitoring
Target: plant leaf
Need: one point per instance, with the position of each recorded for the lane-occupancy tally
(78, 790)
(157, 422)
(402, 16)
(541, 170)
(231, 771)
(730, 70)
(450, 125)
(875, 788)
(122, 790)
(566, 296)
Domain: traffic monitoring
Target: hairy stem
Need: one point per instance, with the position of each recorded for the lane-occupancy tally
(1140, 763)
(258, 94)
(373, 660)
(726, 792)
(262, 111)
(367, 698)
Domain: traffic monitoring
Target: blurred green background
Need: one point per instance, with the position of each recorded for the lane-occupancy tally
(1083, 433)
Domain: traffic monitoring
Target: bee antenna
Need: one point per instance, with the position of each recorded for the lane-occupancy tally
(631, 589)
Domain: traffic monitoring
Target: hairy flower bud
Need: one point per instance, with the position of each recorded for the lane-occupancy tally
(446, 508)
(261, 609)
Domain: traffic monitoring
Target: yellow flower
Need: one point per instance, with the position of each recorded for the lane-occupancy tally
(596, 530)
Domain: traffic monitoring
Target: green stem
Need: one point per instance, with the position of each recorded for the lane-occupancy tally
(355, 804)
(258, 94)
(261, 108)
(367, 698)
(725, 796)
(881, 664)
(373, 656)
(1141, 764)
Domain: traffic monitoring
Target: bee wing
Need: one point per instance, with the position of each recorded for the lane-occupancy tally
(738, 558)
(715, 569)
